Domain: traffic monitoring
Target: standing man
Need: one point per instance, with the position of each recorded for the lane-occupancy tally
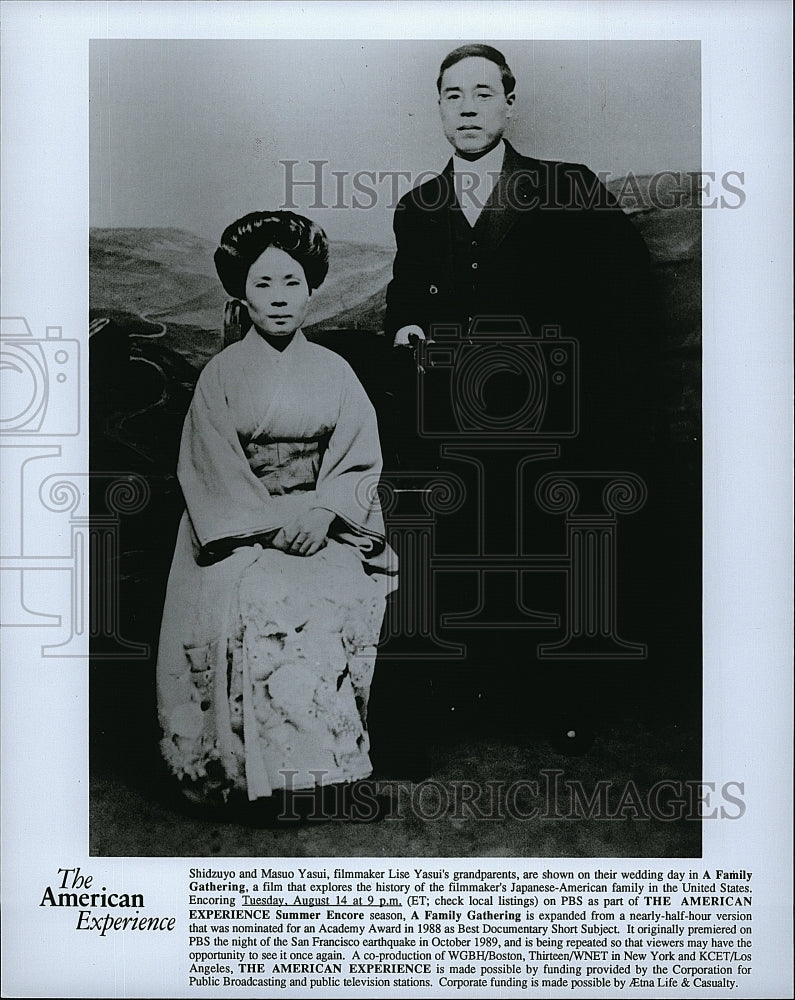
(498, 243)
(498, 234)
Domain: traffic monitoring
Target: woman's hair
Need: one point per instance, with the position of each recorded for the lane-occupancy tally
(245, 240)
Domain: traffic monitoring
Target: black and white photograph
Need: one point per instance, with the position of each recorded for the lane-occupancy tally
(413, 395)
(396, 490)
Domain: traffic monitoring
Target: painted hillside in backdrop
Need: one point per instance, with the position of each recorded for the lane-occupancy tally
(159, 287)
(167, 275)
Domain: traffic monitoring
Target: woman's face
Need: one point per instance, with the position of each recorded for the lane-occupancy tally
(277, 294)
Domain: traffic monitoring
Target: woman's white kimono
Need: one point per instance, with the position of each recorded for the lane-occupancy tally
(265, 659)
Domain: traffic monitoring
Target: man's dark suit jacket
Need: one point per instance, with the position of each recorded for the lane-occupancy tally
(552, 246)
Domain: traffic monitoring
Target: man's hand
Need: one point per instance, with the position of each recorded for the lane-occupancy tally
(305, 534)
(407, 336)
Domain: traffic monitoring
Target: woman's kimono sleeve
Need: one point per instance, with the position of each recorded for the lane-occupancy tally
(349, 474)
(225, 500)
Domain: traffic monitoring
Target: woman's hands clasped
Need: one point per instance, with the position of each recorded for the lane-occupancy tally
(305, 534)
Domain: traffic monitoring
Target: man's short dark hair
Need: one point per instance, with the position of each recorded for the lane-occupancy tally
(479, 51)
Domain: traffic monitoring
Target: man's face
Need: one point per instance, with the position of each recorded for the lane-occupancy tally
(474, 107)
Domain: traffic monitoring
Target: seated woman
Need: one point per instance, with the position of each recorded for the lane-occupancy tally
(278, 584)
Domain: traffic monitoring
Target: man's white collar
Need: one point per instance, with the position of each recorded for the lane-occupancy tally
(474, 180)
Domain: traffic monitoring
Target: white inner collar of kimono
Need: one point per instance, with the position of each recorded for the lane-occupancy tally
(255, 342)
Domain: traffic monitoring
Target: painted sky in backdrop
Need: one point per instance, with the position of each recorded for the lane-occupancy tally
(194, 133)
